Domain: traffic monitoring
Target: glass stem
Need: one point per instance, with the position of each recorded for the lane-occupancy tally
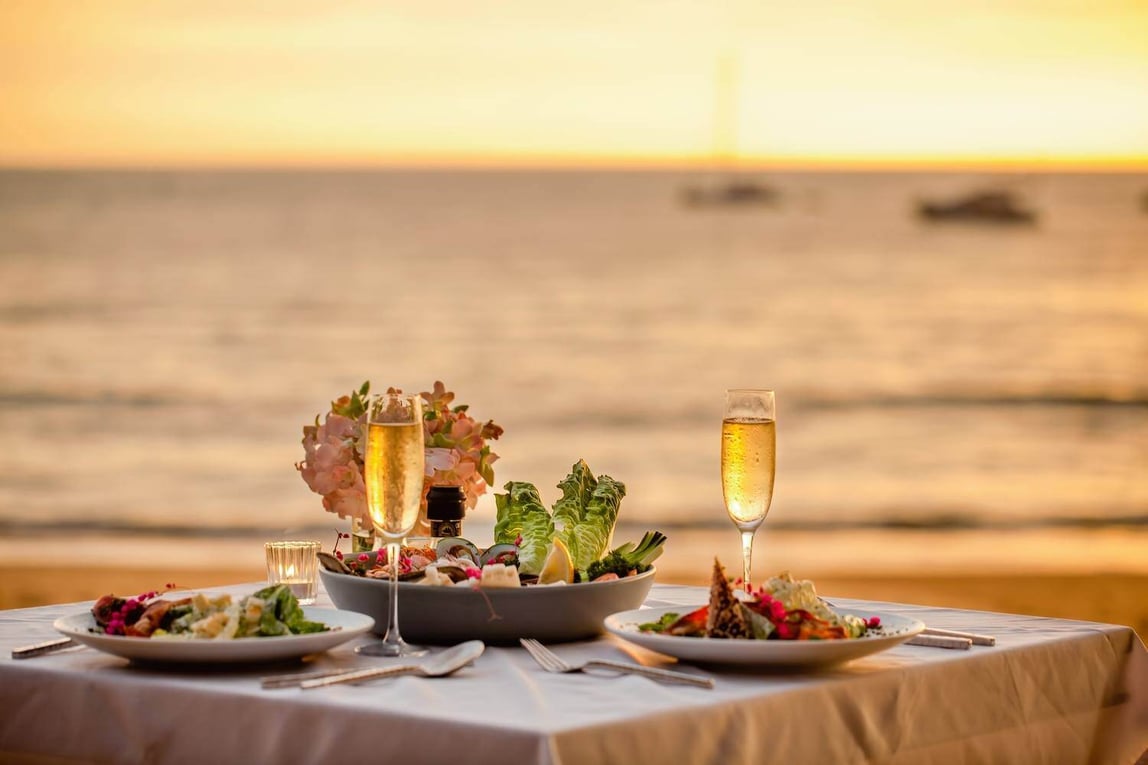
(393, 639)
(746, 557)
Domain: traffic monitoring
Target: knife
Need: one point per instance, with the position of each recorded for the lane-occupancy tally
(39, 649)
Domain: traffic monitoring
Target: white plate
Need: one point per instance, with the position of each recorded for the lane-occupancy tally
(780, 653)
(345, 626)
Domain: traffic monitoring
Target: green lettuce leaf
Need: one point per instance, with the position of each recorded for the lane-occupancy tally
(588, 535)
(577, 490)
(282, 614)
(520, 513)
(583, 518)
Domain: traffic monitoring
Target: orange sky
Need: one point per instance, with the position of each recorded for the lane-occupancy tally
(140, 82)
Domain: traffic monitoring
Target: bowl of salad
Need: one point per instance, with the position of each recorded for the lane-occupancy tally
(445, 614)
(550, 574)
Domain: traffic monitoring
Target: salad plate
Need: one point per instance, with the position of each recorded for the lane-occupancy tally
(441, 615)
(893, 631)
(344, 625)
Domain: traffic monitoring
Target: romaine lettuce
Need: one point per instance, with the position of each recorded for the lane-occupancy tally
(522, 514)
(595, 527)
(583, 518)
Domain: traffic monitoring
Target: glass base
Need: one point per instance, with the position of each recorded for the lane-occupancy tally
(383, 648)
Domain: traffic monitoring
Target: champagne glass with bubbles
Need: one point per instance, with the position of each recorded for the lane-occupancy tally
(393, 471)
(748, 461)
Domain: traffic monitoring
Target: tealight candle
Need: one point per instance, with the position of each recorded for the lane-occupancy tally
(295, 564)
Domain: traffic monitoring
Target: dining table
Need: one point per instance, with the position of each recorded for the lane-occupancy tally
(1048, 691)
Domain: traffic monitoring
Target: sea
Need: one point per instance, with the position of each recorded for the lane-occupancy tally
(165, 335)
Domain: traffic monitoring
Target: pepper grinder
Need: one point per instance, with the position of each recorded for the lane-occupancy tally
(445, 511)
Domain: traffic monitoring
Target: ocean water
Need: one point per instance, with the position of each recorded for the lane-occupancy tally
(165, 335)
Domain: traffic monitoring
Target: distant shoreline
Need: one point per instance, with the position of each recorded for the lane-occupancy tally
(1112, 166)
(938, 523)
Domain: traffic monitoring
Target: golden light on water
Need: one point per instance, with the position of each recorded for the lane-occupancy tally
(892, 82)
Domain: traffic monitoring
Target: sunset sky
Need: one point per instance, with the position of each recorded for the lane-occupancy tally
(214, 82)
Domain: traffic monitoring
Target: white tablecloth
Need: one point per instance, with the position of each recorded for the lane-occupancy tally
(1050, 691)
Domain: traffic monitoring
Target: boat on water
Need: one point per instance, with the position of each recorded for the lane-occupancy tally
(730, 194)
(729, 187)
(980, 207)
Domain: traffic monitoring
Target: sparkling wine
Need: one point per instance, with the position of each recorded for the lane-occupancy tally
(748, 461)
(394, 475)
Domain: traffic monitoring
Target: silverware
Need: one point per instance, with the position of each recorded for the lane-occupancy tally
(971, 636)
(940, 641)
(291, 681)
(550, 662)
(39, 649)
(440, 665)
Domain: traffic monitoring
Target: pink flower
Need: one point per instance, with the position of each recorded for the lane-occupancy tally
(457, 451)
(440, 459)
(348, 503)
(338, 428)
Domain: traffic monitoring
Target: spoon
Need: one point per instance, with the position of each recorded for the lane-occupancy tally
(440, 665)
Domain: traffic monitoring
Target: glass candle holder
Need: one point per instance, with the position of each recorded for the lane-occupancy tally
(295, 564)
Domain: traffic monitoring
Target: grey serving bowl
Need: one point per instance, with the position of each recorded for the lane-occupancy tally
(440, 615)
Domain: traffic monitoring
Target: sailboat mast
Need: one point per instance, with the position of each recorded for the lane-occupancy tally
(726, 112)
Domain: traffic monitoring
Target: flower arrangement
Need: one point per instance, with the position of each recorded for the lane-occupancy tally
(457, 452)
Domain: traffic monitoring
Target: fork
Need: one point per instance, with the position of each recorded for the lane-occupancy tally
(551, 662)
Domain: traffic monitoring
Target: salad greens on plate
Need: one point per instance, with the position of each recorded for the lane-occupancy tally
(271, 612)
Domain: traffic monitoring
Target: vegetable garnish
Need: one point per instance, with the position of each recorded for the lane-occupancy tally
(661, 624)
(629, 559)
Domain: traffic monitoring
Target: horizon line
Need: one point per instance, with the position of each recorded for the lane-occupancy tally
(1116, 164)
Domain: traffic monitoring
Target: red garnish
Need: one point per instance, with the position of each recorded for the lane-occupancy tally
(692, 624)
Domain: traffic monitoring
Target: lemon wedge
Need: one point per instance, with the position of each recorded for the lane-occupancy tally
(559, 567)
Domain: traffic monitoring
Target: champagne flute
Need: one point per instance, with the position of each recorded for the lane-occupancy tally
(393, 471)
(748, 462)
